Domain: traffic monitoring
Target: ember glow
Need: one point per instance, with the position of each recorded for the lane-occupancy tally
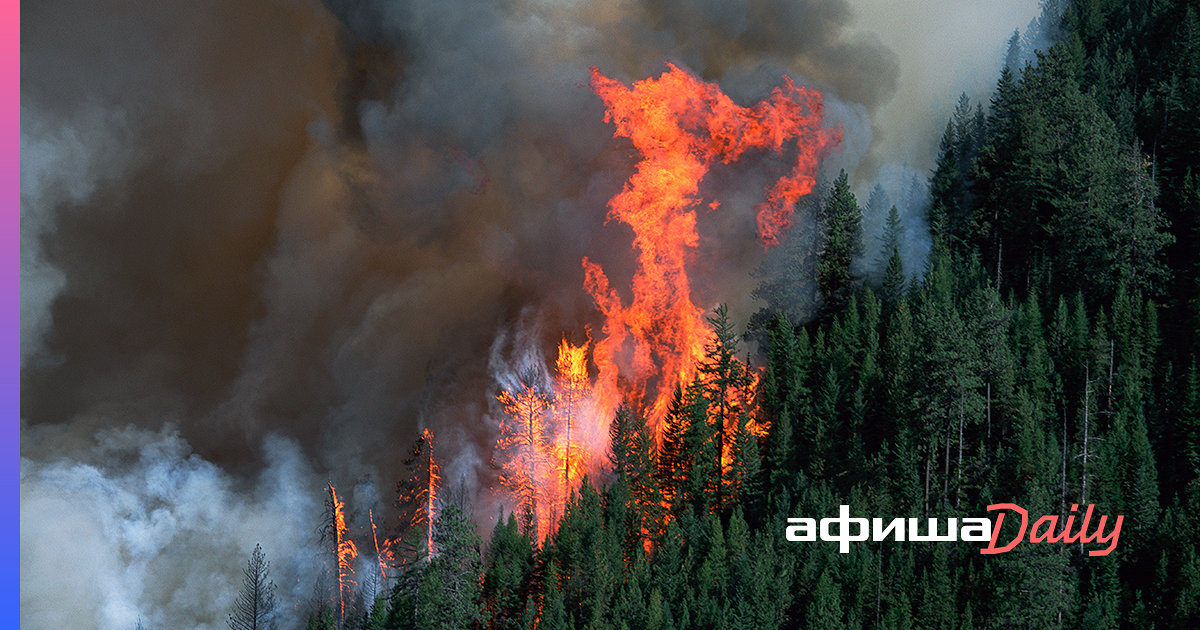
(382, 555)
(418, 502)
(344, 553)
(429, 500)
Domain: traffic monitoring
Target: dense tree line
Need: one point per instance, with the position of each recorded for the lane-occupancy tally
(1045, 356)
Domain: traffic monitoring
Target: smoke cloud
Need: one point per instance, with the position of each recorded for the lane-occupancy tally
(137, 527)
(265, 243)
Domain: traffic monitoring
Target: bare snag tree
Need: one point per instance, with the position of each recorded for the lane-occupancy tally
(254, 609)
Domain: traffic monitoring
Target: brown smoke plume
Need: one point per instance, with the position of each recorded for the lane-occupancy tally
(280, 222)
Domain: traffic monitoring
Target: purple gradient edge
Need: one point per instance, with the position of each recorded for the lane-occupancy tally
(10, 313)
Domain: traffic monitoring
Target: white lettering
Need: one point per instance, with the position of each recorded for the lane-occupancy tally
(844, 522)
(879, 533)
(981, 525)
(806, 525)
(932, 534)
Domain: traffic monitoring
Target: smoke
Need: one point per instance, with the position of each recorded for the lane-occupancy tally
(907, 189)
(138, 527)
(267, 223)
(943, 49)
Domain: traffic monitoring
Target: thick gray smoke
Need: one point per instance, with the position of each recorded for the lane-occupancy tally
(265, 243)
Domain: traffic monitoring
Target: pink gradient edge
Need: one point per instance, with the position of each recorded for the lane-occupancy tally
(10, 313)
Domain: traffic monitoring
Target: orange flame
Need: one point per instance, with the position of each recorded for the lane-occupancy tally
(345, 551)
(573, 383)
(682, 126)
(556, 429)
(430, 498)
(552, 436)
(418, 503)
(524, 437)
(381, 555)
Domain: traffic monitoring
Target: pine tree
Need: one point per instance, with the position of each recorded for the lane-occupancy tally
(340, 553)
(842, 222)
(554, 614)
(449, 591)
(524, 445)
(825, 611)
(988, 323)
(893, 276)
(509, 562)
(644, 481)
(622, 436)
(254, 608)
(1012, 58)
(937, 609)
(417, 500)
(687, 466)
(1190, 408)
(824, 421)
(726, 381)
(588, 556)
(375, 617)
(946, 190)
(782, 394)
(712, 575)
(745, 463)
(995, 185)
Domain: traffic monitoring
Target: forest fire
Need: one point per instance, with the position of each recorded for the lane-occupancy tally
(553, 435)
(418, 497)
(318, 234)
(556, 429)
(429, 498)
(382, 554)
(573, 379)
(681, 127)
(344, 552)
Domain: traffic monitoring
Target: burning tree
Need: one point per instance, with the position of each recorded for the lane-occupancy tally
(523, 438)
(342, 553)
(726, 380)
(551, 434)
(710, 453)
(418, 495)
(729, 385)
(632, 457)
(572, 384)
(553, 429)
(382, 555)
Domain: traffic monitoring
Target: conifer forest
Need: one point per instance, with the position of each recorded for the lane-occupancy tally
(1018, 325)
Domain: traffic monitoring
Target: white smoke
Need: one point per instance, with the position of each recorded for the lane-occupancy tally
(944, 49)
(138, 527)
(907, 189)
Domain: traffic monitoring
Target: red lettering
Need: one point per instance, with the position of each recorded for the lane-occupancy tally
(991, 548)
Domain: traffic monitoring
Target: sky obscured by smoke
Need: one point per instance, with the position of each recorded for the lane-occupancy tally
(265, 243)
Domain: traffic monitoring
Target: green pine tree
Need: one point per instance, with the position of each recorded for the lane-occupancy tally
(841, 220)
